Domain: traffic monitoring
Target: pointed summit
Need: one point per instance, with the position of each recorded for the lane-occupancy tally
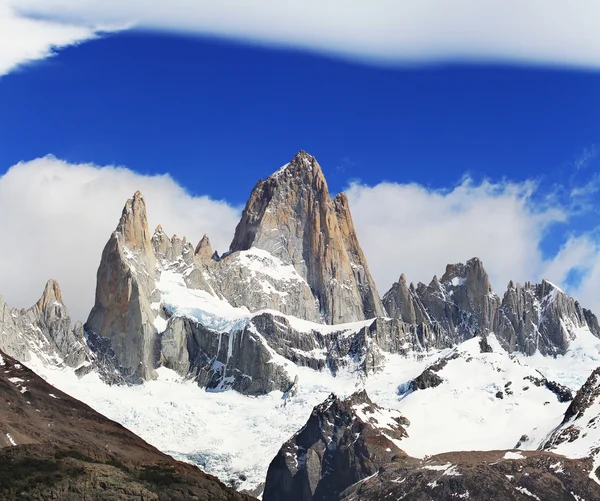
(302, 166)
(126, 279)
(291, 215)
(50, 295)
(133, 224)
(204, 250)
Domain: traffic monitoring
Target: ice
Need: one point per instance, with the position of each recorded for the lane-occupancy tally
(227, 434)
(523, 490)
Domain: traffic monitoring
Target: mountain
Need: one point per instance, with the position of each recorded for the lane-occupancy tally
(55, 447)
(527, 318)
(288, 316)
(293, 287)
(292, 216)
(479, 476)
(349, 449)
(343, 442)
(43, 332)
(578, 434)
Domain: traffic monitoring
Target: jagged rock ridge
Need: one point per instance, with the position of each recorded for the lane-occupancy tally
(294, 251)
(346, 452)
(43, 331)
(480, 476)
(578, 433)
(462, 304)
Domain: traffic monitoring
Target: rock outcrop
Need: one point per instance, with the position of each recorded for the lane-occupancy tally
(239, 359)
(579, 425)
(343, 442)
(44, 331)
(292, 216)
(55, 447)
(480, 476)
(462, 304)
(122, 316)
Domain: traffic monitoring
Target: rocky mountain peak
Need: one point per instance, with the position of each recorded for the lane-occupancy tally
(44, 330)
(122, 318)
(133, 225)
(472, 274)
(204, 250)
(51, 294)
(343, 442)
(303, 167)
(292, 216)
(528, 318)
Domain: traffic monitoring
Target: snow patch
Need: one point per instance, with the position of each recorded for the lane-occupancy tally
(523, 490)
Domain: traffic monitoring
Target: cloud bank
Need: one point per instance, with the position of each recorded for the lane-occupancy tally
(548, 32)
(23, 40)
(407, 228)
(57, 217)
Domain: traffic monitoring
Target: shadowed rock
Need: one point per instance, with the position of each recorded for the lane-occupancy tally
(344, 441)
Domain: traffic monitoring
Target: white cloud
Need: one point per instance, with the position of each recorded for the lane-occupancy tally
(57, 218)
(408, 228)
(23, 40)
(390, 31)
(583, 254)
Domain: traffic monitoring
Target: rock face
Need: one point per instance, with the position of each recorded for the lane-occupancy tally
(236, 321)
(239, 359)
(292, 216)
(480, 476)
(131, 334)
(578, 429)
(319, 274)
(126, 280)
(527, 319)
(343, 442)
(55, 447)
(43, 330)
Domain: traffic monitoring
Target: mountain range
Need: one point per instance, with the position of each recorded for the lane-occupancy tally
(444, 390)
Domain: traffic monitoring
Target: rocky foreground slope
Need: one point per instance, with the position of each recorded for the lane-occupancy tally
(350, 450)
(343, 442)
(55, 447)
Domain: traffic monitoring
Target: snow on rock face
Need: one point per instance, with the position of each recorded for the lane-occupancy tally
(257, 280)
(235, 435)
(579, 432)
(43, 331)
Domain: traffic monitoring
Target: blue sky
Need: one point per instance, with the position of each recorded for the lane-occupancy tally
(199, 107)
(449, 144)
